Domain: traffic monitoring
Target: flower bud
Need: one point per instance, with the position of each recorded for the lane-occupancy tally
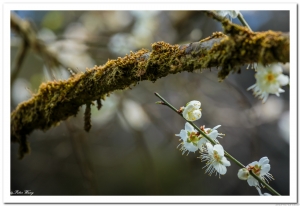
(243, 174)
(192, 111)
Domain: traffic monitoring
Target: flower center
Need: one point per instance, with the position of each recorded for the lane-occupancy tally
(193, 137)
(256, 169)
(216, 156)
(270, 77)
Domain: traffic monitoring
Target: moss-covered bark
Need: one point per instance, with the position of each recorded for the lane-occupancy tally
(56, 101)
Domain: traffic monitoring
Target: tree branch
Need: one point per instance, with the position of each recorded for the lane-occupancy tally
(58, 100)
(24, 29)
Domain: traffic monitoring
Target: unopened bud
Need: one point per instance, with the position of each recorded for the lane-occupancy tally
(192, 111)
(243, 174)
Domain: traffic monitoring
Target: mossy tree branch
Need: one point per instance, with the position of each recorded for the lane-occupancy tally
(56, 101)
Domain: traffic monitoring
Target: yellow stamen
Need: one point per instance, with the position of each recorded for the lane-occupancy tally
(270, 77)
(216, 156)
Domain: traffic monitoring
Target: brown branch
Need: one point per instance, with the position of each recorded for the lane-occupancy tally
(24, 29)
(19, 60)
(58, 100)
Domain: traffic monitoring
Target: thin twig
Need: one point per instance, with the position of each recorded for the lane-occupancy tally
(243, 21)
(225, 21)
(19, 60)
(228, 26)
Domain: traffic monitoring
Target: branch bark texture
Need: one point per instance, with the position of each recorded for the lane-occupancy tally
(56, 101)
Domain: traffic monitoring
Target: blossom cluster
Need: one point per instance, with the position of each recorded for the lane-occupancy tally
(212, 152)
(193, 140)
(269, 80)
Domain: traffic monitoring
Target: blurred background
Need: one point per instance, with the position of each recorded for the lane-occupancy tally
(131, 148)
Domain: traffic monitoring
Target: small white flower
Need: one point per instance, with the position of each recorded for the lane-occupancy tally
(189, 137)
(212, 133)
(192, 111)
(269, 81)
(232, 13)
(243, 174)
(259, 192)
(216, 162)
(261, 169)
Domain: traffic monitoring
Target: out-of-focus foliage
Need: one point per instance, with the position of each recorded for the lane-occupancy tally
(131, 148)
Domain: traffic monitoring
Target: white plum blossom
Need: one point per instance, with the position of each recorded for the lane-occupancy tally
(231, 13)
(261, 169)
(192, 111)
(212, 133)
(269, 80)
(216, 162)
(259, 192)
(190, 138)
